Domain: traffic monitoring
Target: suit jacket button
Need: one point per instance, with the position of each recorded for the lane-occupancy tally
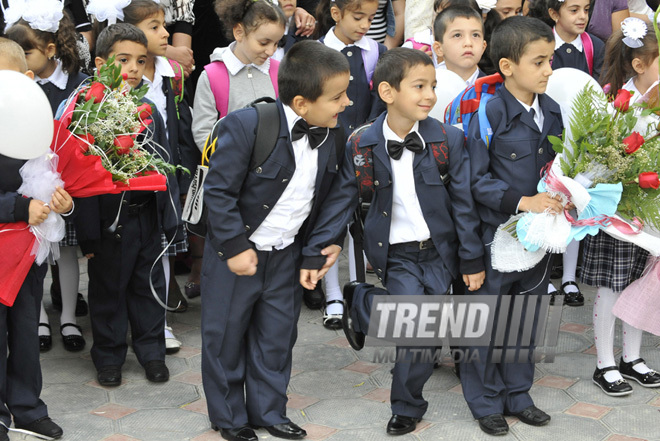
(384, 213)
(220, 253)
(541, 151)
(337, 167)
(349, 54)
(258, 170)
(350, 78)
(379, 270)
(266, 207)
(376, 183)
(124, 202)
(380, 244)
(117, 236)
(247, 228)
(513, 156)
(568, 50)
(285, 180)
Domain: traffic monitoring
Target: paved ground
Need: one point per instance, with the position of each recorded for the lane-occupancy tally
(337, 393)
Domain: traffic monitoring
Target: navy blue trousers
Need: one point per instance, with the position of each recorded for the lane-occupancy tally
(409, 272)
(498, 387)
(20, 370)
(119, 291)
(248, 331)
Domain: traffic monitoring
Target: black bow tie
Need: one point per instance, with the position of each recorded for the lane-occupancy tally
(315, 135)
(412, 142)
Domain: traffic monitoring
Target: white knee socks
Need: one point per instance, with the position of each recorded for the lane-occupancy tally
(69, 277)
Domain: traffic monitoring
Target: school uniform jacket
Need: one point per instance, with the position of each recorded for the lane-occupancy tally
(510, 167)
(448, 210)
(567, 55)
(238, 198)
(13, 207)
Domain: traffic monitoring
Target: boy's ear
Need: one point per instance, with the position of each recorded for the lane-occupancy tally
(299, 105)
(437, 49)
(98, 62)
(638, 66)
(335, 13)
(385, 92)
(239, 32)
(29, 74)
(554, 15)
(506, 67)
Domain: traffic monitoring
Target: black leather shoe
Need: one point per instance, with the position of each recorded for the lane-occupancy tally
(355, 339)
(56, 299)
(239, 434)
(649, 379)
(616, 388)
(572, 298)
(156, 371)
(45, 341)
(400, 424)
(533, 416)
(109, 376)
(43, 426)
(287, 431)
(315, 298)
(72, 343)
(494, 424)
(81, 306)
(332, 321)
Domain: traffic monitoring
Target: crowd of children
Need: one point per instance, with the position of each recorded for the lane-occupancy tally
(276, 227)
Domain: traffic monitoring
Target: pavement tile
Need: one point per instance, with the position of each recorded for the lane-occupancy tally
(339, 341)
(170, 424)
(574, 327)
(189, 377)
(112, 411)
(637, 421)
(623, 438)
(380, 394)
(198, 406)
(588, 410)
(147, 395)
(363, 367)
(323, 384)
(186, 352)
(556, 382)
(211, 435)
(120, 437)
(309, 358)
(655, 402)
(316, 432)
(300, 401)
(562, 427)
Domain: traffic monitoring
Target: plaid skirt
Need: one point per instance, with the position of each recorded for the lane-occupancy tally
(611, 263)
(175, 248)
(70, 239)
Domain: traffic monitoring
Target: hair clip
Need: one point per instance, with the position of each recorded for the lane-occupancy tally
(486, 5)
(111, 10)
(634, 29)
(42, 15)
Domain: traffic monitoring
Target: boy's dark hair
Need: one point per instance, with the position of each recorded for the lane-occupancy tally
(64, 40)
(116, 33)
(139, 10)
(441, 5)
(394, 64)
(297, 75)
(512, 36)
(447, 16)
(250, 13)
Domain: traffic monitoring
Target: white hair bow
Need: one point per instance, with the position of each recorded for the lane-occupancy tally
(634, 29)
(111, 10)
(42, 15)
(486, 5)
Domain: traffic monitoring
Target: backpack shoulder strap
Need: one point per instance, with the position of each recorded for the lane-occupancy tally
(441, 154)
(176, 82)
(219, 81)
(364, 171)
(272, 72)
(588, 50)
(370, 58)
(268, 130)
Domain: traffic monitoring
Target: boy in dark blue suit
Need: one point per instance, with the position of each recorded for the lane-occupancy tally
(259, 220)
(419, 231)
(504, 179)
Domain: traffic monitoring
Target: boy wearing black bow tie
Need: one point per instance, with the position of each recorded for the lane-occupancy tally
(259, 220)
(421, 229)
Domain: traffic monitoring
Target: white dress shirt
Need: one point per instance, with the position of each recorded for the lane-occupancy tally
(282, 224)
(538, 113)
(335, 43)
(408, 222)
(559, 42)
(163, 70)
(58, 78)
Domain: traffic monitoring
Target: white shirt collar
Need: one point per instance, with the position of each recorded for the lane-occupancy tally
(389, 134)
(473, 78)
(163, 67)
(335, 43)
(291, 117)
(538, 115)
(234, 65)
(58, 78)
(559, 42)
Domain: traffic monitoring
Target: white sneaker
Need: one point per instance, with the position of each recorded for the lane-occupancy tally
(172, 345)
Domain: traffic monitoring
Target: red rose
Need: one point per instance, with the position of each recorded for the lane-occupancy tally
(124, 76)
(649, 180)
(607, 88)
(622, 100)
(85, 141)
(95, 92)
(633, 142)
(144, 111)
(123, 144)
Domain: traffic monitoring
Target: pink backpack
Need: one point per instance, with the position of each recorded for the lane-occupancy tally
(219, 81)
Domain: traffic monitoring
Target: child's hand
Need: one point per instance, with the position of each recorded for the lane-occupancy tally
(243, 264)
(61, 201)
(38, 212)
(474, 281)
(541, 202)
(309, 278)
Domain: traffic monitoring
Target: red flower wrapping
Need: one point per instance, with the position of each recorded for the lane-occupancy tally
(95, 92)
(85, 141)
(633, 142)
(144, 111)
(649, 180)
(123, 144)
(622, 100)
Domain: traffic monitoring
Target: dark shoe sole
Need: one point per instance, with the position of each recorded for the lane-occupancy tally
(630, 377)
(612, 394)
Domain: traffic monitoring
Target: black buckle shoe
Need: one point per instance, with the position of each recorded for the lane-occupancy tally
(400, 424)
(238, 434)
(649, 379)
(617, 388)
(494, 424)
(332, 321)
(43, 426)
(314, 298)
(572, 298)
(288, 430)
(156, 371)
(533, 416)
(355, 339)
(72, 343)
(45, 341)
(109, 376)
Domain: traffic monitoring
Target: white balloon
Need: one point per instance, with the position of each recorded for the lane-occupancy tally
(26, 120)
(449, 85)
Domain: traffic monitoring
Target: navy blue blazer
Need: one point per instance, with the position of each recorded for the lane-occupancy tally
(568, 56)
(13, 206)
(510, 167)
(238, 198)
(56, 95)
(449, 210)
